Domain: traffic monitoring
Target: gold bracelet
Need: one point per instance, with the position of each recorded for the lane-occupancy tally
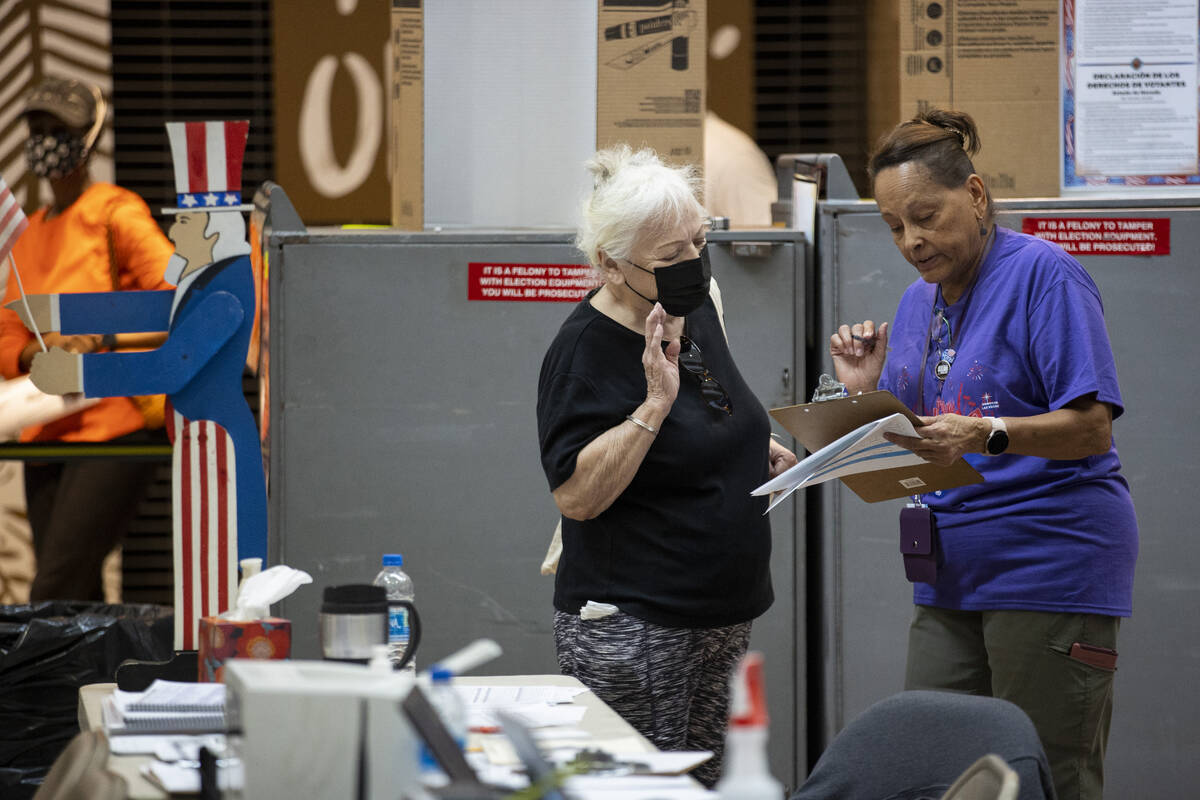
(641, 424)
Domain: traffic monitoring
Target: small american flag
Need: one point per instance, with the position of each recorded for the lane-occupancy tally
(12, 220)
(12, 223)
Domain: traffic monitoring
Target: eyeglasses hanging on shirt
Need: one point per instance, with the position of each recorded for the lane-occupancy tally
(710, 389)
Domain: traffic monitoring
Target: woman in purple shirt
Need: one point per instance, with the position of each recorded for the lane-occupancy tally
(1001, 347)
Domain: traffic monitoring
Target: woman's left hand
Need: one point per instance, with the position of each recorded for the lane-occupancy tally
(779, 459)
(945, 438)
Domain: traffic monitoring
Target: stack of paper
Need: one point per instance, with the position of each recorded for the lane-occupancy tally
(635, 772)
(536, 706)
(862, 450)
(167, 707)
(845, 437)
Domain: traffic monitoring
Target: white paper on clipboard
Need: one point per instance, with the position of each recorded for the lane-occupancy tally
(862, 450)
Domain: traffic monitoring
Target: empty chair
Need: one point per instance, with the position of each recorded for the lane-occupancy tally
(915, 745)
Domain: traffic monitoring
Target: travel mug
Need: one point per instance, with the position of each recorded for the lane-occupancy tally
(354, 618)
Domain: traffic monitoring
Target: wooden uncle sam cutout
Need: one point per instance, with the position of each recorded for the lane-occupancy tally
(220, 503)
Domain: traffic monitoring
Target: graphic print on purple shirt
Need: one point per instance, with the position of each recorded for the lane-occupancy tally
(1038, 534)
(961, 404)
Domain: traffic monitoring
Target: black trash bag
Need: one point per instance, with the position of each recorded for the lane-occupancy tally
(47, 651)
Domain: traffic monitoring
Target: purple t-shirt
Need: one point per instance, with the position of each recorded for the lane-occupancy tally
(1029, 337)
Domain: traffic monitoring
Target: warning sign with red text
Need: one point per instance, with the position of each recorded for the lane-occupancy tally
(1103, 236)
(545, 283)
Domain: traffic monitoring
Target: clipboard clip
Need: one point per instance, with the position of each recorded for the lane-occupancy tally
(828, 388)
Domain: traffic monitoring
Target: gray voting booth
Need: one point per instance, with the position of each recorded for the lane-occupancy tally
(402, 419)
(863, 603)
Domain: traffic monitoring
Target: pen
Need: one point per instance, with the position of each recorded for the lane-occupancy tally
(868, 341)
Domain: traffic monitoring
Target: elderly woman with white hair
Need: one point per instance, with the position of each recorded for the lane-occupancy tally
(665, 553)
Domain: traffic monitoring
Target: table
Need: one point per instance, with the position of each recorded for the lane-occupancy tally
(150, 450)
(600, 721)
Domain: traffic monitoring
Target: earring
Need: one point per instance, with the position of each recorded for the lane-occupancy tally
(982, 227)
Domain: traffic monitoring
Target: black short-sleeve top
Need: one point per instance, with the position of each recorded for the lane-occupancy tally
(685, 545)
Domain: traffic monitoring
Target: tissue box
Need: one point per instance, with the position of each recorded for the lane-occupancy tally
(222, 639)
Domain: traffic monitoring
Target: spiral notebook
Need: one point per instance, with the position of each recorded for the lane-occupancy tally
(174, 696)
(167, 707)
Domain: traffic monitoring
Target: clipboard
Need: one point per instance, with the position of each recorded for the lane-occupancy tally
(817, 424)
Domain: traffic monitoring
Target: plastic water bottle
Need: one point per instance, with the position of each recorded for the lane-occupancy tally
(398, 586)
(449, 704)
(453, 712)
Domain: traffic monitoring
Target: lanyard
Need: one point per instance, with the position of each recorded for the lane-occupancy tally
(941, 369)
(947, 356)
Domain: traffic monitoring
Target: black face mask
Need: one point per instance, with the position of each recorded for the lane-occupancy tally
(682, 287)
(54, 155)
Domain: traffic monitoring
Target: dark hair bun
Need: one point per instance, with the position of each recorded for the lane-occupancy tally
(956, 122)
(942, 141)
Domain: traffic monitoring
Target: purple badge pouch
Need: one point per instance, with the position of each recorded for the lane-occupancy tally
(919, 544)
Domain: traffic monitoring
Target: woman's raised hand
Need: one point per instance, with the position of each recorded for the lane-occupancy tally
(858, 353)
(661, 364)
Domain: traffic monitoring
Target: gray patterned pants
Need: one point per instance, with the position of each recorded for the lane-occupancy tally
(671, 684)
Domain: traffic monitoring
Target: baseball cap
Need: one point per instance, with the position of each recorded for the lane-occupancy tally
(72, 101)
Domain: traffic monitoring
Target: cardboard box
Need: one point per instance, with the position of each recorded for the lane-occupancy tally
(997, 61)
(495, 107)
(883, 72)
(329, 102)
(407, 130)
(222, 639)
(651, 76)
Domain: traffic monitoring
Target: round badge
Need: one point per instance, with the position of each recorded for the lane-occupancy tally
(942, 369)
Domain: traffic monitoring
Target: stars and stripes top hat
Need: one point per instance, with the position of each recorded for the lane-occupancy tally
(208, 165)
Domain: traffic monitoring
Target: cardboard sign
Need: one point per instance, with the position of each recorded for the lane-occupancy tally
(547, 283)
(1103, 236)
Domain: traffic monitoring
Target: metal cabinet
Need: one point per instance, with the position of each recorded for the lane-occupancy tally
(863, 603)
(402, 420)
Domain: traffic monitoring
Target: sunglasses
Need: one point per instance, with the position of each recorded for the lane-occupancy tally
(710, 388)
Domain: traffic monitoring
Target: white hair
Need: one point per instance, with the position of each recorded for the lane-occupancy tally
(633, 193)
(230, 229)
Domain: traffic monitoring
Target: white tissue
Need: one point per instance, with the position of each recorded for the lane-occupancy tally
(258, 592)
(594, 610)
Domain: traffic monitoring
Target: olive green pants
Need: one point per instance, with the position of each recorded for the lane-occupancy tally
(1025, 657)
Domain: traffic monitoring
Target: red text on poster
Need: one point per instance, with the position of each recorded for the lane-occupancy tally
(545, 283)
(1103, 236)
